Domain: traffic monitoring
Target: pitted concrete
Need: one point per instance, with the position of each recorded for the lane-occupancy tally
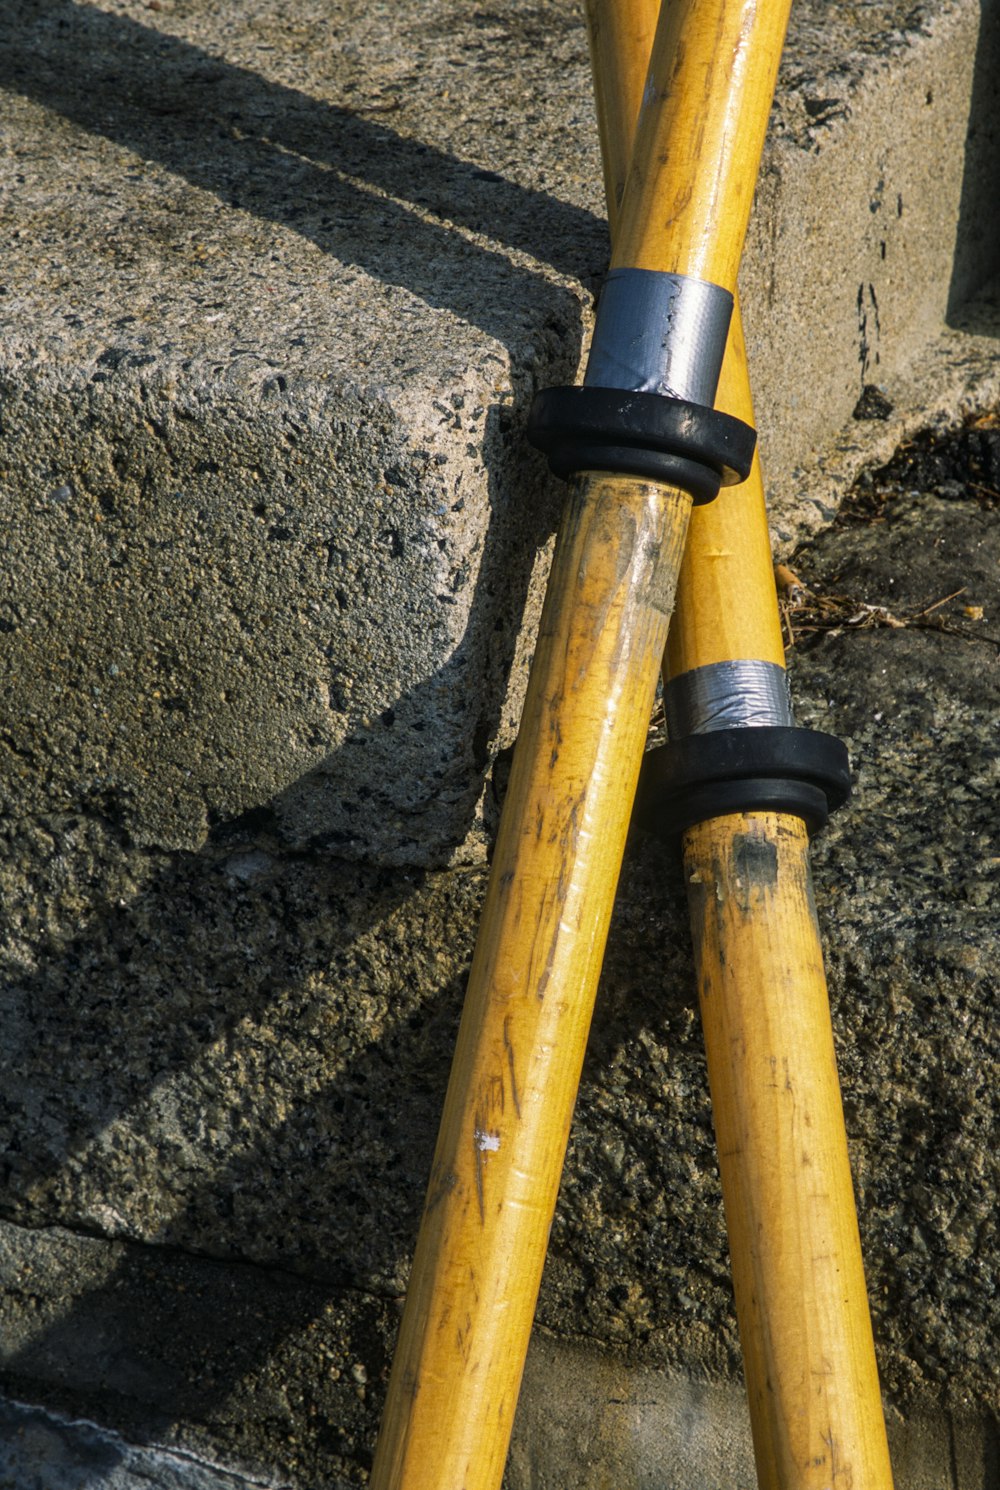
(277, 289)
(277, 293)
(222, 1074)
(267, 343)
(41, 1450)
(591, 1423)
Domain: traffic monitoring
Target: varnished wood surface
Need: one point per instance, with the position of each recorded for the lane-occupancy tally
(800, 1291)
(699, 137)
(524, 1027)
(620, 34)
(812, 1383)
(496, 1170)
(729, 550)
(727, 607)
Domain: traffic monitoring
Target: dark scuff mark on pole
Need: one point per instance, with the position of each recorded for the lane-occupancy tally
(508, 1047)
(754, 866)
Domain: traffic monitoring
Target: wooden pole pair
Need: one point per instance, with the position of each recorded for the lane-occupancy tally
(805, 1330)
(499, 1156)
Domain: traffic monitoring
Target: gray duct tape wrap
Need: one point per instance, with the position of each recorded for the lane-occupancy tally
(659, 333)
(727, 695)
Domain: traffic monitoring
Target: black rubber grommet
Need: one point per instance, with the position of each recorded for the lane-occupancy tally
(771, 769)
(641, 434)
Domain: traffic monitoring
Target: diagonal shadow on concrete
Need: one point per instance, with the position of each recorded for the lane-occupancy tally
(243, 1064)
(241, 1058)
(362, 192)
(141, 1033)
(237, 1055)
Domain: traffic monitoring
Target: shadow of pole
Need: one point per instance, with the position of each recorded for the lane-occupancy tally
(360, 191)
(241, 1060)
(245, 1063)
(238, 1076)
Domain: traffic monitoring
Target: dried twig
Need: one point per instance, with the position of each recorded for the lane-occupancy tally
(805, 612)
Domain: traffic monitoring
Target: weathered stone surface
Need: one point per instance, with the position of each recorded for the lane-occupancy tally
(277, 292)
(589, 1421)
(41, 1450)
(255, 1367)
(267, 331)
(911, 875)
(275, 1375)
(239, 1055)
(221, 1052)
(868, 236)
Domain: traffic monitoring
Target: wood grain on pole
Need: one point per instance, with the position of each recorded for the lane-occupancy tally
(799, 1281)
(809, 1360)
(706, 103)
(727, 607)
(496, 1170)
(524, 1027)
(728, 550)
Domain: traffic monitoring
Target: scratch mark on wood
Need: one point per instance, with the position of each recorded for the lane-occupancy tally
(509, 1048)
(478, 1155)
(442, 1183)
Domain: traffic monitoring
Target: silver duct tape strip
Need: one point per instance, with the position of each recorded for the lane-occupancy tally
(727, 695)
(659, 333)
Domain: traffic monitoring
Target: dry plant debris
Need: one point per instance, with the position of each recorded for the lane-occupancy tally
(805, 611)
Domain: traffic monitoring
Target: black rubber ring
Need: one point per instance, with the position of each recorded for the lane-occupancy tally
(771, 769)
(641, 434)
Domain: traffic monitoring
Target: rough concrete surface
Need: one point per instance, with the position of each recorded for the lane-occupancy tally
(230, 1062)
(277, 285)
(41, 1450)
(592, 1422)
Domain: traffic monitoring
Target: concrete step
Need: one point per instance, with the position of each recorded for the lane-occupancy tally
(581, 1419)
(279, 283)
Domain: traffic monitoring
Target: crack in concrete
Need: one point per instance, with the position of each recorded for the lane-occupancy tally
(167, 1250)
(49, 1444)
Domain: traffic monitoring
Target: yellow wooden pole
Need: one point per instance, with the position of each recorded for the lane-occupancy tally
(497, 1164)
(728, 550)
(708, 96)
(809, 1360)
(524, 1028)
(801, 1302)
(726, 602)
(620, 33)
